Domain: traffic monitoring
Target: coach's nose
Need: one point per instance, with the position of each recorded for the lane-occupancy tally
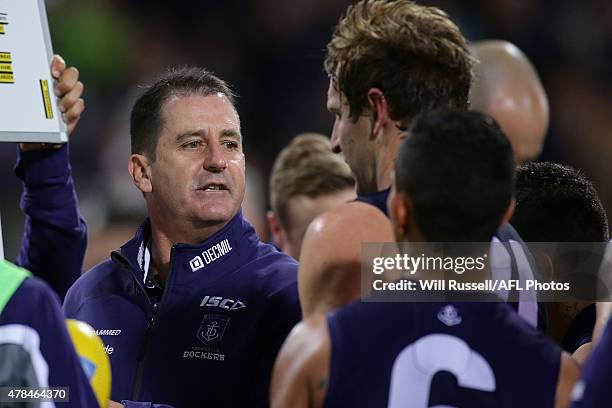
(215, 160)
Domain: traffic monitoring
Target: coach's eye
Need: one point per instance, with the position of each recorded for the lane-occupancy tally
(194, 144)
(230, 145)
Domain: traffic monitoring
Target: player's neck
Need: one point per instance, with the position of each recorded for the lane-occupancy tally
(385, 157)
(379, 181)
(383, 175)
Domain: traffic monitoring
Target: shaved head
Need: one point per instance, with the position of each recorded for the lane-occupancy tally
(508, 88)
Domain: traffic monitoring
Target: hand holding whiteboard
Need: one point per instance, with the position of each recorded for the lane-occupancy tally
(28, 106)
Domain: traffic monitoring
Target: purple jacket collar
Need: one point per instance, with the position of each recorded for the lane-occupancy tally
(230, 238)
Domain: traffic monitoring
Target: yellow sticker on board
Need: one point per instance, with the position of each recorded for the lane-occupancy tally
(7, 78)
(44, 87)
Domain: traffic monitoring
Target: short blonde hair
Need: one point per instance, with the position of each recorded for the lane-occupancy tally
(307, 166)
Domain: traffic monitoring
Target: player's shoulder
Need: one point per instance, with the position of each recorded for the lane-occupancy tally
(354, 212)
(330, 259)
(33, 289)
(33, 304)
(353, 222)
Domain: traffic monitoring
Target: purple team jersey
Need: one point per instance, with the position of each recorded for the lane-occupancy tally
(439, 354)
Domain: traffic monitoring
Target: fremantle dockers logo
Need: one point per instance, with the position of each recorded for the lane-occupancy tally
(449, 316)
(212, 328)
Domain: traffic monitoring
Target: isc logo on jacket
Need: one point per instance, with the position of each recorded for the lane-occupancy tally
(223, 303)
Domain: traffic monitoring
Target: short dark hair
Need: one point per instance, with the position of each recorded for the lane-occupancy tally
(457, 169)
(308, 167)
(146, 118)
(415, 54)
(557, 203)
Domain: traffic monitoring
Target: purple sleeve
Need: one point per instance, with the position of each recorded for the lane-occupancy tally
(55, 235)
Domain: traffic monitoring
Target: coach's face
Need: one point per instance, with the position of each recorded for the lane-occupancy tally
(353, 140)
(198, 173)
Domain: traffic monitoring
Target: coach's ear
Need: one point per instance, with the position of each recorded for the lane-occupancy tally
(140, 170)
(509, 212)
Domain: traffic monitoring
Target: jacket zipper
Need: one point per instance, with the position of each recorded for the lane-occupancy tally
(149, 332)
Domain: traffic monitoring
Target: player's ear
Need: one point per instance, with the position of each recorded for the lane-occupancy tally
(380, 110)
(509, 212)
(400, 214)
(278, 235)
(140, 170)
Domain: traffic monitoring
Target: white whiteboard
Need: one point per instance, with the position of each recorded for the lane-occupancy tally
(28, 106)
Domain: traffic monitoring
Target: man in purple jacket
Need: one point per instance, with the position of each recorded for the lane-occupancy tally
(194, 308)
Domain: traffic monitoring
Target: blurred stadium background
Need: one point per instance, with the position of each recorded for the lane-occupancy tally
(271, 52)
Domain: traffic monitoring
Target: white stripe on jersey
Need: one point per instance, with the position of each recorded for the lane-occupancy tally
(29, 339)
